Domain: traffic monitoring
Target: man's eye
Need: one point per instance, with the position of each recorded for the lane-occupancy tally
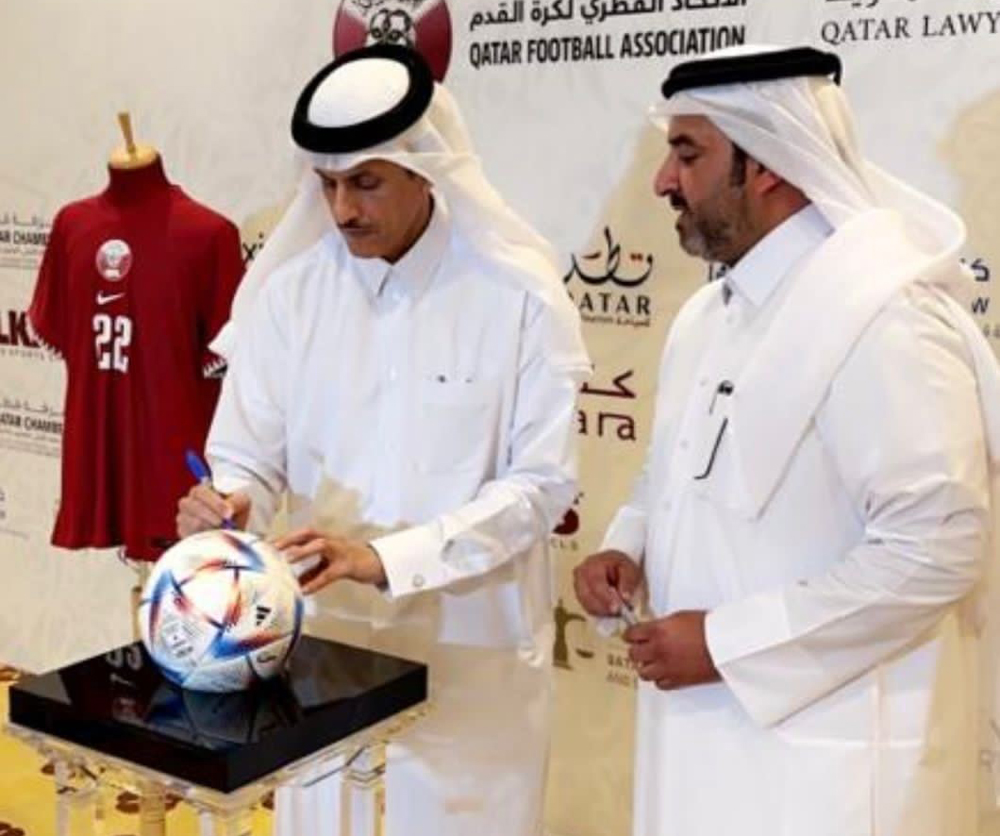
(368, 183)
(687, 159)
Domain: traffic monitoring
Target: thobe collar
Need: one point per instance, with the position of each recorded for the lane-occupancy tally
(761, 270)
(411, 274)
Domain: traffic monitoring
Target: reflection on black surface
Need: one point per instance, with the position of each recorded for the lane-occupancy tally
(126, 685)
(120, 704)
(217, 721)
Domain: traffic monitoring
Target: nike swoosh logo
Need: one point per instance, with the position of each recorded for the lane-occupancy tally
(103, 299)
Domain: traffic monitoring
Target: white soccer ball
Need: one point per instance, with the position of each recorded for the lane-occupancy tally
(220, 611)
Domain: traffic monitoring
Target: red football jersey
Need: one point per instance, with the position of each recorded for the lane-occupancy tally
(134, 284)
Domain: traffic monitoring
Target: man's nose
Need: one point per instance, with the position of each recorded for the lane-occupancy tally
(345, 207)
(665, 183)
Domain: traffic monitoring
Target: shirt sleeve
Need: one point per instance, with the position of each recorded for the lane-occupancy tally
(47, 312)
(903, 426)
(520, 507)
(627, 531)
(226, 263)
(246, 443)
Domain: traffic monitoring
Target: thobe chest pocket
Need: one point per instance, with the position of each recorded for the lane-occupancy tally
(712, 466)
(455, 423)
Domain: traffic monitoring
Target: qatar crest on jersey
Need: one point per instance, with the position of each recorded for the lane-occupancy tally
(114, 260)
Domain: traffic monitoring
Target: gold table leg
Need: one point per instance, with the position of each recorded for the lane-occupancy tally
(152, 810)
(364, 785)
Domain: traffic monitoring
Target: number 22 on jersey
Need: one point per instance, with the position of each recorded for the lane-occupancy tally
(112, 337)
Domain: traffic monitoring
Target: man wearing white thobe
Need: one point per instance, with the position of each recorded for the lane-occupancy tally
(813, 520)
(407, 384)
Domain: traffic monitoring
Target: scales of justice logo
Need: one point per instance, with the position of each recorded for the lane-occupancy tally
(423, 25)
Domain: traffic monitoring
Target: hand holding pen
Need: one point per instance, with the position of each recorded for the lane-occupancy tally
(626, 611)
(203, 508)
(605, 584)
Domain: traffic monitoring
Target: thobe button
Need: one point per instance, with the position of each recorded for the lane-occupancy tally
(418, 581)
(684, 444)
(393, 373)
(703, 381)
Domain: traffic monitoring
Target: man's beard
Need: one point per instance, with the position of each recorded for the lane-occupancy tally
(712, 235)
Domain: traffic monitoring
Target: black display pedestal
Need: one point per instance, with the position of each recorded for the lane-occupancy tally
(115, 715)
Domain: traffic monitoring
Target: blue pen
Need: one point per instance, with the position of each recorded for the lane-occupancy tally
(200, 472)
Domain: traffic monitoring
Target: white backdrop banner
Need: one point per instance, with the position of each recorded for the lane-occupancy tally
(554, 92)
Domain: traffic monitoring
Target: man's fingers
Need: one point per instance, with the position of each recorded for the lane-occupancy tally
(601, 588)
(325, 573)
(293, 554)
(203, 509)
(639, 633)
(237, 507)
(627, 578)
(307, 578)
(592, 590)
(652, 671)
(186, 526)
(644, 652)
(198, 515)
(206, 496)
(295, 538)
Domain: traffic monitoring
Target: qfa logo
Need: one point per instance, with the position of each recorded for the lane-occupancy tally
(605, 283)
(423, 25)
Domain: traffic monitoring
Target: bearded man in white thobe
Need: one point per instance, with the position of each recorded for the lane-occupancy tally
(812, 525)
(406, 381)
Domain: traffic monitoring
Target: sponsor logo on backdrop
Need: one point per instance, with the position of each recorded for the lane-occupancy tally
(989, 754)
(257, 227)
(5, 523)
(575, 643)
(424, 25)
(606, 284)
(16, 339)
(979, 304)
(22, 240)
(561, 31)
(561, 652)
(30, 426)
(574, 648)
(597, 417)
(570, 523)
(868, 21)
(563, 536)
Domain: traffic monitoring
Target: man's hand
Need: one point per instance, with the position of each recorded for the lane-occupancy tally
(600, 579)
(204, 509)
(340, 558)
(672, 651)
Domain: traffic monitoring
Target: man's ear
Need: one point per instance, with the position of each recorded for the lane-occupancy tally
(761, 179)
